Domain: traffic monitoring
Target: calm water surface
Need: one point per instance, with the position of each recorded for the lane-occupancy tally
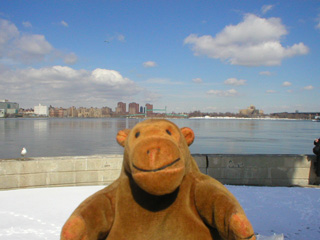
(74, 137)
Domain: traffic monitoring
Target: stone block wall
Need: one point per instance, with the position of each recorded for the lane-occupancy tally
(260, 169)
(59, 171)
(255, 169)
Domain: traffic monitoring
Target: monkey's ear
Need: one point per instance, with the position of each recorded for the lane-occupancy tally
(188, 135)
(122, 136)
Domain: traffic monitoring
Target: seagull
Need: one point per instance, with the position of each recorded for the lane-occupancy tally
(23, 152)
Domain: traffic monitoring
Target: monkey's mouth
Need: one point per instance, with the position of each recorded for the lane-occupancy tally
(157, 169)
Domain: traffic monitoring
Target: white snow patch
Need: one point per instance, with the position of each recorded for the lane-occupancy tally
(32, 214)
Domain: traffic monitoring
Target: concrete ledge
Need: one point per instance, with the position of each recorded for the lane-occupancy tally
(59, 171)
(255, 169)
(263, 169)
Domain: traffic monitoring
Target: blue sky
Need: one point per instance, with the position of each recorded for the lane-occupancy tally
(212, 56)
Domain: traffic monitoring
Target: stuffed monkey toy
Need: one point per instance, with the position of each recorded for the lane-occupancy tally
(160, 194)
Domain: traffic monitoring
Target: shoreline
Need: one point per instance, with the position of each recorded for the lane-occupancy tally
(191, 118)
(244, 118)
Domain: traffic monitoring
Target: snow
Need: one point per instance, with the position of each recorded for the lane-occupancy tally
(32, 214)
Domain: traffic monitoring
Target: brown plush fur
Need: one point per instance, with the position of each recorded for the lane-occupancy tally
(160, 194)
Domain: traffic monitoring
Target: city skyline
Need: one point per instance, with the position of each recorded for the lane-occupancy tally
(11, 109)
(212, 56)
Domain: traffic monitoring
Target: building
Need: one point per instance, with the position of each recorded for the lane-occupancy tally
(72, 112)
(121, 108)
(41, 110)
(83, 112)
(250, 111)
(58, 112)
(95, 112)
(8, 109)
(149, 110)
(106, 112)
(133, 108)
(92, 112)
(53, 112)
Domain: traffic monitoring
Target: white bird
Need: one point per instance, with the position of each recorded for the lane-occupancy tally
(23, 152)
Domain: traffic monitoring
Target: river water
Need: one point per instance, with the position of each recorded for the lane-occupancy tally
(75, 136)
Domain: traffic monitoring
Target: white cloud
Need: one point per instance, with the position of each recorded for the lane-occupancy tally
(309, 87)
(197, 80)
(149, 64)
(110, 78)
(73, 87)
(221, 93)
(27, 24)
(29, 48)
(271, 91)
(8, 31)
(286, 84)
(265, 73)
(63, 23)
(235, 82)
(266, 8)
(17, 47)
(253, 42)
(70, 58)
(33, 44)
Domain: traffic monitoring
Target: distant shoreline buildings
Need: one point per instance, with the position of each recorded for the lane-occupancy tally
(11, 109)
(8, 109)
(41, 110)
(120, 111)
(251, 111)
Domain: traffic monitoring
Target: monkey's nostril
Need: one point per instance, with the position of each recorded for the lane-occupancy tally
(148, 152)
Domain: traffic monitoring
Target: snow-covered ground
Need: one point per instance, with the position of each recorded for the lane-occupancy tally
(32, 214)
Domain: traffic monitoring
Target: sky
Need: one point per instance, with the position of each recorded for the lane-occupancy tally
(212, 56)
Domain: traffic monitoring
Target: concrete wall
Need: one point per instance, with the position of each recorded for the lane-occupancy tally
(59, 171)
(261, 169)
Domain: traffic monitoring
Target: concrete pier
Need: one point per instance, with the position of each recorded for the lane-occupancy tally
(255, 169)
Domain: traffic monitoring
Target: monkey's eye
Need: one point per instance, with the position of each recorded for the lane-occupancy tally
(168, 132)
(137, 134)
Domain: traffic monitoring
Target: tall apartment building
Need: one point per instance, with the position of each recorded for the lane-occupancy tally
(133, 108)
(149, 109)
(121, 108)
(41, 110)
